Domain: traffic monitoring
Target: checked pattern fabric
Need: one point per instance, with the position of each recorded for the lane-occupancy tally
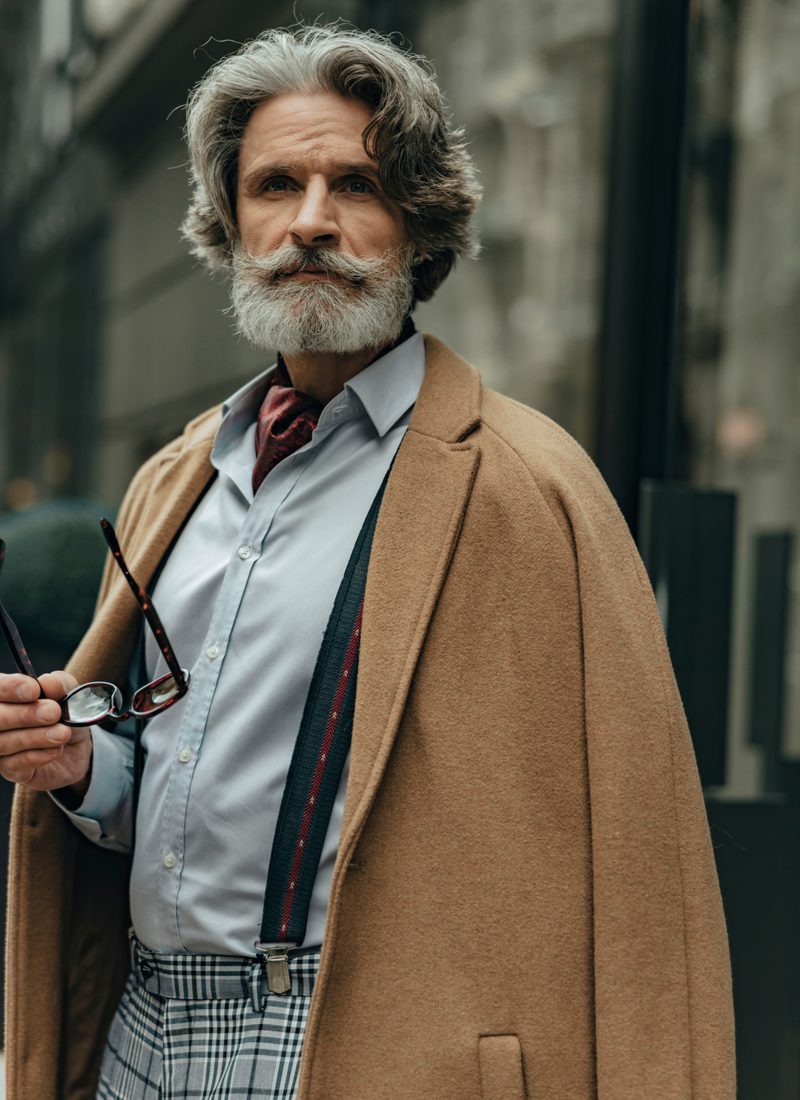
(187, 1029)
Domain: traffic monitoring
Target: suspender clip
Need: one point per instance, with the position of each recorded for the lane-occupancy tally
(275, 959)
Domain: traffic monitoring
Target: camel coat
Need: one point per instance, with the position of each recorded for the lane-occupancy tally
(525, 902)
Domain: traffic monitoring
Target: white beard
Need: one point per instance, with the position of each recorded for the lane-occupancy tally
(278, 313)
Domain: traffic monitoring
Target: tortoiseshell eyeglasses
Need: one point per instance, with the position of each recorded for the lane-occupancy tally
(98, 701)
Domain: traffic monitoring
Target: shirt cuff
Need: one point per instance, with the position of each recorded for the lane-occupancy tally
(111, 781)
(110, 787)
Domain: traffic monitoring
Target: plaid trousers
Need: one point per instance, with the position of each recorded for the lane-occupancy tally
(193, 1027)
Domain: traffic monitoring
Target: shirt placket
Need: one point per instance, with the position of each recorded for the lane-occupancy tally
(205, 677)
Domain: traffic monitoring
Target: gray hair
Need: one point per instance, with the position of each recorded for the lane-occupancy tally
(422, 161)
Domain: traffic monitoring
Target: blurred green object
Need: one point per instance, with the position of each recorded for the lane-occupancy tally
(54, 558)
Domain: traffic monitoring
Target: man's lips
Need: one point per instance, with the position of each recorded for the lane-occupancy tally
(311, 273)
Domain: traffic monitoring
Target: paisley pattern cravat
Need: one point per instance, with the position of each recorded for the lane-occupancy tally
(286, 419)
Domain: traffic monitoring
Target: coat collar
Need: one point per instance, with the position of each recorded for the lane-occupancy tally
(449, 403)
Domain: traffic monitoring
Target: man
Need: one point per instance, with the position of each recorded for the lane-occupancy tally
(513, 891)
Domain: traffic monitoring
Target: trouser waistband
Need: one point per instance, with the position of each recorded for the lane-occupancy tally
(190, 976)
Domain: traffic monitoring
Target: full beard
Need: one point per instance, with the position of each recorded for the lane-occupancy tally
(364, 308)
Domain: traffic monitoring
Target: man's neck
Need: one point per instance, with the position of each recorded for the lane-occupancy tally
(322, 375)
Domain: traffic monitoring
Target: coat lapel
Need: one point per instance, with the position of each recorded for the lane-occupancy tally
(417, 532)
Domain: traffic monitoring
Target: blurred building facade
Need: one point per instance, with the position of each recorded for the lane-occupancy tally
(123, 338)
(112, 338)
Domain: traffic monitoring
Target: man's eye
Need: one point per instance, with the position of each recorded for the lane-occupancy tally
(277, 183)
(359, 186)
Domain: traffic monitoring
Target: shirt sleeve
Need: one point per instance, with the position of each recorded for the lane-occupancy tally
(104, 815)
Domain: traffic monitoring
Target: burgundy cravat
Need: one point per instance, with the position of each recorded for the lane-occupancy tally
(286, 420)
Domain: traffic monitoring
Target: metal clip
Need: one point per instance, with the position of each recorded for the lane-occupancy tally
(275, 957)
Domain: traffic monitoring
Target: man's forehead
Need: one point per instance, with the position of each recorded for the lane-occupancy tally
(309, 118)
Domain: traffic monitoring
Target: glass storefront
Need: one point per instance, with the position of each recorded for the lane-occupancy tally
(739, 381)
(741, 354)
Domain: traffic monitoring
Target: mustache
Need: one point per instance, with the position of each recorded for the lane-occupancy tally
(291, 260)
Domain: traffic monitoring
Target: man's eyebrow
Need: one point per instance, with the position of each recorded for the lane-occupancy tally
(261, 171)
(358, 168)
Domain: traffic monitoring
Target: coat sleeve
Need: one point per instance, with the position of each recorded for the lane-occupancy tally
(664, 1015)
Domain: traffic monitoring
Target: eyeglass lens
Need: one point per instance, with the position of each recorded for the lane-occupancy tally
(91, 703)
(153, 696)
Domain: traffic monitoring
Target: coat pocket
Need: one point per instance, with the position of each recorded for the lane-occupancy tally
(502, 1074)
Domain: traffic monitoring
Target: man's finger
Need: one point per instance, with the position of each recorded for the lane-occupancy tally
(56, 684)
(16, 741)
(16, 688)
(17, 716)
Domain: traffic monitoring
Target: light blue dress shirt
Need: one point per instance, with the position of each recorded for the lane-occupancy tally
(245, 597)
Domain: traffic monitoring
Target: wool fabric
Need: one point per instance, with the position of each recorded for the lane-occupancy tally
(524, 902)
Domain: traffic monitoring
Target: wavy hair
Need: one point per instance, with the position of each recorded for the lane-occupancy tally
(422, 160)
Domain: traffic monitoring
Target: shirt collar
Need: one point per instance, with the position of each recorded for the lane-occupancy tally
(250, 395)
(386, 389)
(389, 387)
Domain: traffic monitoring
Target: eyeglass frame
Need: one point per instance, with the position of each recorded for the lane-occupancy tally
(181, 676)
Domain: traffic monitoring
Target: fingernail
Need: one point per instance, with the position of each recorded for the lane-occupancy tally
(26, 692)
(48, 712)
(57, 733)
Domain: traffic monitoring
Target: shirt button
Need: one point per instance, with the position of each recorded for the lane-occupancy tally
(212, 652)
(170, 859)
(245, 552)
(185, 755)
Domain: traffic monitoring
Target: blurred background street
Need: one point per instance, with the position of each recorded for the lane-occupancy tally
(639, 282)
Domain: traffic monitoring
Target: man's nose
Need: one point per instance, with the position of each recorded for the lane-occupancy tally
(315, 219)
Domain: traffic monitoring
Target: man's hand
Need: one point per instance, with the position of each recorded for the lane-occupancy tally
(36, 749)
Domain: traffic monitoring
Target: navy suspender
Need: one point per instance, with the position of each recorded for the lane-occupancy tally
(319, 754)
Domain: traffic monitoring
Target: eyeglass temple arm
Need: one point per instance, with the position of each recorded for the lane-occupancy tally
(11, 634)
(145, 603)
